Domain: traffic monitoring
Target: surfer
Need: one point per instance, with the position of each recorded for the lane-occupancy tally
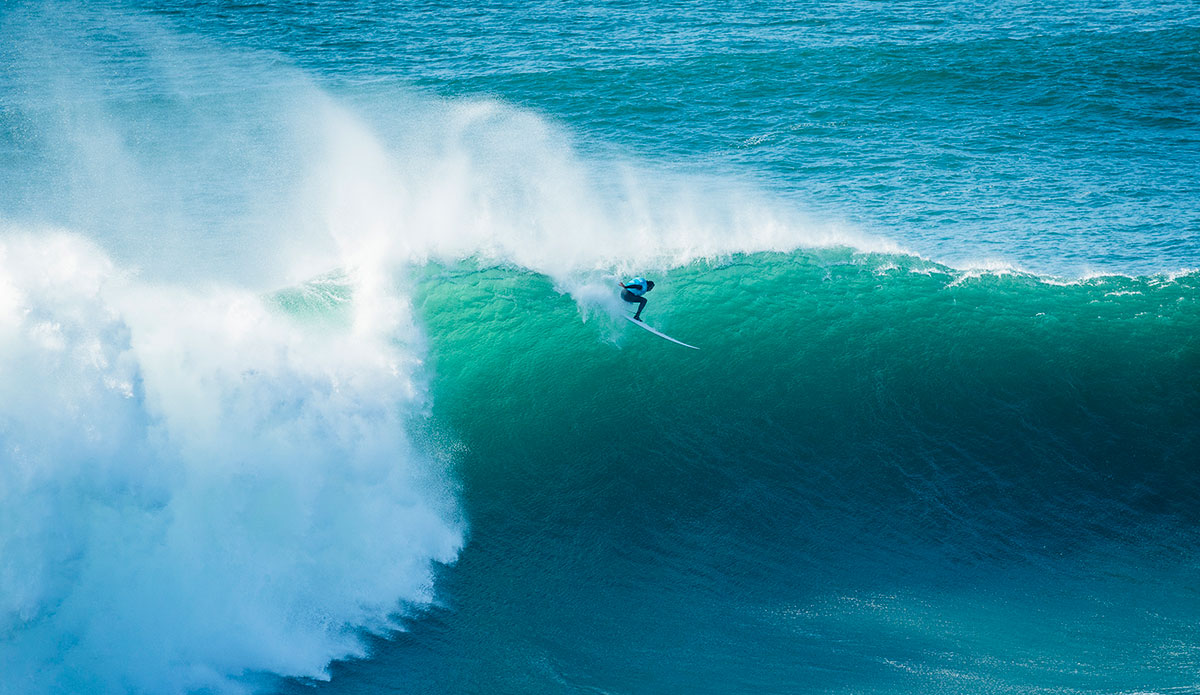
(633, 293)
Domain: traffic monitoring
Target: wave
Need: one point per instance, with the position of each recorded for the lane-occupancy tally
(876, 473)
(995, 389)
(202, 480)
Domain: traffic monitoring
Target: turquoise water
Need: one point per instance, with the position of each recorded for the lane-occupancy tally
(898, 480)
(314, 378)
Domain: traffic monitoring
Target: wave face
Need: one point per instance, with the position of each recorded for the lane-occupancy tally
(289, 294)
(878, 474)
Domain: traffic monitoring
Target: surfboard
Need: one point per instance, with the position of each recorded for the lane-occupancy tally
(657, 333)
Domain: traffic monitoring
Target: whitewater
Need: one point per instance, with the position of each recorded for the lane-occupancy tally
(312, 374)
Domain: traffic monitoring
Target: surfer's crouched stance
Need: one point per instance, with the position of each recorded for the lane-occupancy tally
(633, 292)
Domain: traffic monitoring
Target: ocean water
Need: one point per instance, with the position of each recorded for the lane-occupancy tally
(313, 376)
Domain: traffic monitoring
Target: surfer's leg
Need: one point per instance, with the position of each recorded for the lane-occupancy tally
(641, 305)
(633, 298)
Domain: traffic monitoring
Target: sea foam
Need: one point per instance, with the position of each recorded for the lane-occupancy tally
(193, 487)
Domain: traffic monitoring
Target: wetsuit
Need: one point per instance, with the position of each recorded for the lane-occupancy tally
(633, 292)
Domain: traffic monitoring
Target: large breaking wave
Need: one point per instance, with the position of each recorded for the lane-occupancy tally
(200, 482)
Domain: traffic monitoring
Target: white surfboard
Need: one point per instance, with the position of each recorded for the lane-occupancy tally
(660, 335)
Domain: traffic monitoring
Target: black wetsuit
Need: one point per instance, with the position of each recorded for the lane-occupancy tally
(634, 299)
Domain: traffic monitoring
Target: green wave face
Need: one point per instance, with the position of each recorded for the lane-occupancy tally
(871, 459)
(832, 350)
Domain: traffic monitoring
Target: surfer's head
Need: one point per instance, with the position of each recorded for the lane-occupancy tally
(649, 285)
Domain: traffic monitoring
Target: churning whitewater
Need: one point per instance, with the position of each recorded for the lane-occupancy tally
(314, 376)
(196, 487)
